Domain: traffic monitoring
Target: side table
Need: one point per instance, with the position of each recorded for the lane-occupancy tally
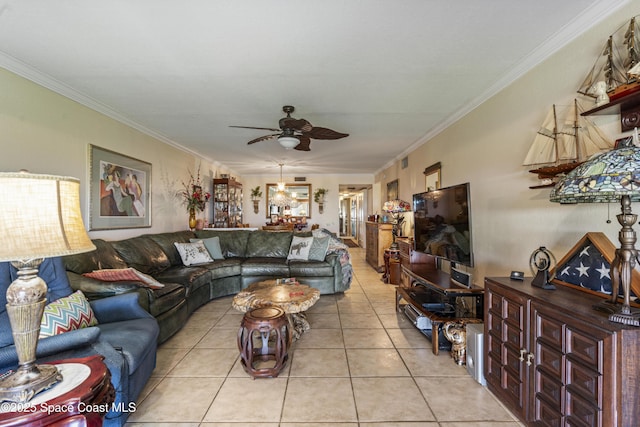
(82, 398)
(391, 266)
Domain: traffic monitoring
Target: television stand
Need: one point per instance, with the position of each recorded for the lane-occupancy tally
(432, 299)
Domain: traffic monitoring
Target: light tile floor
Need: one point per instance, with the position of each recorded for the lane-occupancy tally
(361, 365)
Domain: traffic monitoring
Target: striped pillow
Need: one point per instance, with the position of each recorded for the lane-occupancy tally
(67, 314)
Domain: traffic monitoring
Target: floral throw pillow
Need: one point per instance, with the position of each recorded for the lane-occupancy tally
(193, 253)
(67, 314)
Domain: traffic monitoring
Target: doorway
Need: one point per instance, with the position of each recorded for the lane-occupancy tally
(352, 214)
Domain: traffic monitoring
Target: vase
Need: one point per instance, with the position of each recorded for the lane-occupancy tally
(192, 218)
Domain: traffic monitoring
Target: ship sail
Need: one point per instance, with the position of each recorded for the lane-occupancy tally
(560, 148)
(543, 148)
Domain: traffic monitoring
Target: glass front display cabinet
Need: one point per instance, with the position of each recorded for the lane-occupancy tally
(227, 203)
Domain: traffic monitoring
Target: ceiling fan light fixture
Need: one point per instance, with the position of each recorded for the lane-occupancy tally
(288, 142)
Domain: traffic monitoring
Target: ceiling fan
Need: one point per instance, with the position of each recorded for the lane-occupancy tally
(295, 133)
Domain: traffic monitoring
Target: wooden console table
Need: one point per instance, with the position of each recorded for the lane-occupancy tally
(432, 294)
(82, 398)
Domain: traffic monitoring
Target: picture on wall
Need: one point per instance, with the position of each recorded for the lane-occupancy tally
(119, 190)
(392, 190)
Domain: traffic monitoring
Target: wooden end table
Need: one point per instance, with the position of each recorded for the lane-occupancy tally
(82, 398)
(294, 299)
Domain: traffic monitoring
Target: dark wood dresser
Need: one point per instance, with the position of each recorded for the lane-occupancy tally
(555, 361)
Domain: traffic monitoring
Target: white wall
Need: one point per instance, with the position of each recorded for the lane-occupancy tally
(487, 147)
(328, 219)
(44, 132)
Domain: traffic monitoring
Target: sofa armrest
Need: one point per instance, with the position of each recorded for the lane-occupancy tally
(118, 308)
(52, 345)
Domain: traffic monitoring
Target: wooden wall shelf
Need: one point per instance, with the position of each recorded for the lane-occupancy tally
(628, 107)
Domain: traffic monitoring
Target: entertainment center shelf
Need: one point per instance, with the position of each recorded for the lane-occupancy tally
(432, 295)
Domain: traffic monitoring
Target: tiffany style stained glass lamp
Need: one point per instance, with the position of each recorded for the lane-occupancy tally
(611, 177)
(396, 208)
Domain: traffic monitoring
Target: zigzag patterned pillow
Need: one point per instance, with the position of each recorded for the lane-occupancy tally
(67, 314)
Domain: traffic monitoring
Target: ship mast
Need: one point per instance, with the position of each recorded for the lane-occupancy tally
(555, 133)
(576, 128)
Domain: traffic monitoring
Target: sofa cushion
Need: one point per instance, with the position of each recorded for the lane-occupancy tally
(67, 314)
(265, 266)
(272, 244)
(233, 243)
(319, 248)
(302, 268)
(192, 277)
(300, 247)
(143, 254)
(166, 242)
(213, 246)
(225, 268)
(105, 256)
(163, 300)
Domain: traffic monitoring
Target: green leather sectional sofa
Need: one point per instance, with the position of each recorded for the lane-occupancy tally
(249, 256)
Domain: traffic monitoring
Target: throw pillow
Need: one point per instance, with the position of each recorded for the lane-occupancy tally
(67, 314)
(193, 253)
(147, 280)
(125, 275)
(300, 247)
(114, 275)
(213, 246)
(319, 248)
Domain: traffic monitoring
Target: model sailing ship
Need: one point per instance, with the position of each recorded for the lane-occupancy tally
(618, 65)
(560, 147)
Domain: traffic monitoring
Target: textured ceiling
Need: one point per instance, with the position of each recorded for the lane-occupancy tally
(390, 73)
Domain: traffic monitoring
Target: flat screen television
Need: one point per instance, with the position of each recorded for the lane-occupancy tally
(442, 224)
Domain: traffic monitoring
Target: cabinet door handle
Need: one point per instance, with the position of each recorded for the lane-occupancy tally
(530, 357)
(522, 352)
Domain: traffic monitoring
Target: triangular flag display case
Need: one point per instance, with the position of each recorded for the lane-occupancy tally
(587, 267)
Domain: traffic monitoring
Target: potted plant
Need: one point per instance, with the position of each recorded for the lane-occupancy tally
(256, 194)
(318, 197)
(194, 197)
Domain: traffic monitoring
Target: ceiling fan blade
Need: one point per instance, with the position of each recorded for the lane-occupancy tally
(325, 133)
(305, 144)
(251, 127)
(296, 124)
(263, 138)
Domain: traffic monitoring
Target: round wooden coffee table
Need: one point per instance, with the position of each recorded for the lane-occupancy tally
(294, 299)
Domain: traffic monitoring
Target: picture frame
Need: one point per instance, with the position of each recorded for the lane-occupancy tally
(119, 190)
(274, 218)
(392, 190)
(432, 177)
(592, 254)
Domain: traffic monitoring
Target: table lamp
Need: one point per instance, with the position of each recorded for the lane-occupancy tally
(40, 218)
(396, 208)
(610, 177)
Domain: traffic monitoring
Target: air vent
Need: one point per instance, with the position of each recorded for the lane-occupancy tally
(300, 178)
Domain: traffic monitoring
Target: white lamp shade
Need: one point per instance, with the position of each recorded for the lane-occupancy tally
(288, 142)
(40, 217)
